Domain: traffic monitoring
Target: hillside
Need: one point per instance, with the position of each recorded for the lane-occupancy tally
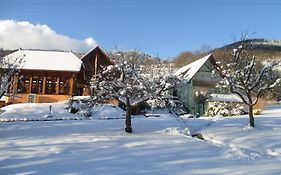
(273, 45)
(143, 58)
(263, 49)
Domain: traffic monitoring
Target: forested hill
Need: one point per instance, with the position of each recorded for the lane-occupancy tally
(273, 45)
(263, 49)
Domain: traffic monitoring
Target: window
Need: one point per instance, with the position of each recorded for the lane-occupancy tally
(37, 85)
(64, 86)
(46, 85)
(23, 84)
(51, 83)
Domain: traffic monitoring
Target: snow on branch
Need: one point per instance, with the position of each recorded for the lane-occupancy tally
(135, 76)
(248, 77)
(8, 69)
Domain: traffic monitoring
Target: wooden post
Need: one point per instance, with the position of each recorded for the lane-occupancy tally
(44, 85)
(96, 65)
(15, 84)
(128, 120)
(13, 87)
(30, 84)
(58, 85)
(71, 85)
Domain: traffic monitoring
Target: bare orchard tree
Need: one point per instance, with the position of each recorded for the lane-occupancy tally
(131, 81)
(248, 78)
(8, 69)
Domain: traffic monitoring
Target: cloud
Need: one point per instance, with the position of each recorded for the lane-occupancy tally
(23, 34)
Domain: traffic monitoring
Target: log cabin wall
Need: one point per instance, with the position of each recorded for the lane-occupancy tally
(39, 98)
(49, 86)
(55, 84)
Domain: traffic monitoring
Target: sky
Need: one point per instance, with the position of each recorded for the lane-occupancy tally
(163, 28)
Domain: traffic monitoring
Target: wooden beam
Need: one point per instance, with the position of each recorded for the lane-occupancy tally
(44, 85)
(30, 84)
(71, 82)
(15, 84)
(96, 65)
(58, 85)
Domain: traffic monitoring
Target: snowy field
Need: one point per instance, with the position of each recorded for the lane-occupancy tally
(158, 145)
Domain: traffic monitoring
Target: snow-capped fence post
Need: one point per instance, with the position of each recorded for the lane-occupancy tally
(128, 119)
(50, 110)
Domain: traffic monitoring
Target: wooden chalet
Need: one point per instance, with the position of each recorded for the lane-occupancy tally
(92, 62)
(47, 76)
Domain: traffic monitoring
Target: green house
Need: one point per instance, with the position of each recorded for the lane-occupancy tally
(199, 79)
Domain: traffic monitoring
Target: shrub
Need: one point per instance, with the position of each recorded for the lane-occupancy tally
(224, 109)
(80, 107)
(257, 111)
(260, 105)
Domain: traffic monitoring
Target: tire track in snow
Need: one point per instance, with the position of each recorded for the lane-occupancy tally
(233, 151)
(229, 150)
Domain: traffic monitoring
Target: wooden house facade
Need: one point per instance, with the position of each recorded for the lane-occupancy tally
(200, 78)
(47, 76)
(91, 64)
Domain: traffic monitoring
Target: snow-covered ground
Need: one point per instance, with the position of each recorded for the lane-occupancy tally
(158, 145)
(35, 111)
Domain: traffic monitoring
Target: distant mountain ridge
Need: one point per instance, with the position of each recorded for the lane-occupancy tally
(259, 43)
(264, 49)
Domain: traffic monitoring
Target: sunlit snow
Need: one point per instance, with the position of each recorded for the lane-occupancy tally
(158, 145)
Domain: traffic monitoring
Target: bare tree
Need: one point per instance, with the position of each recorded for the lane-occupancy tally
(248, 78)
(131, 81)
(8, 69)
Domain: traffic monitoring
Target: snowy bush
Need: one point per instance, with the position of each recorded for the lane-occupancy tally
(82, 107)
(85, 112)
(167, 102)
(214, 110)
(257, 111)
(224, 109)
(73, 106)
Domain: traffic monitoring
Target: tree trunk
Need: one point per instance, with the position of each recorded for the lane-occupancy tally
(251, 116)
(128, 127)
(203, 105)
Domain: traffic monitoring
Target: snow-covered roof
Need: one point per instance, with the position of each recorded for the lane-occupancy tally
(90, 51)
(45, 60)
(187, 72)
(225, 98)
(102, 51)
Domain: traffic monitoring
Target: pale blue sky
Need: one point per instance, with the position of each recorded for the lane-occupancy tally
(165, 27)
